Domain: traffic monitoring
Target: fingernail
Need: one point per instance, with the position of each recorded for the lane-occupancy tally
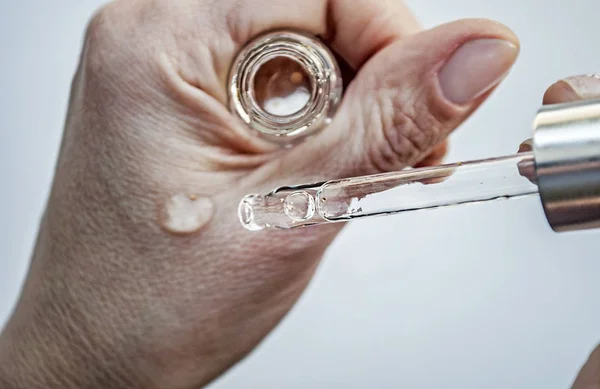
(586, 86)
(475, 68)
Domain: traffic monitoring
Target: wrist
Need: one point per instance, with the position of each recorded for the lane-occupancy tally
(34, 356)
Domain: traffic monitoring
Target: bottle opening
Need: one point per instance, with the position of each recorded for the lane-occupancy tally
(285, 86)
(282, 87)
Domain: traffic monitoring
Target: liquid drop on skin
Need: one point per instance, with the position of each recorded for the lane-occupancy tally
(184, 214)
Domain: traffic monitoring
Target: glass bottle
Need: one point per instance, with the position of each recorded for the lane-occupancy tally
(285, 85)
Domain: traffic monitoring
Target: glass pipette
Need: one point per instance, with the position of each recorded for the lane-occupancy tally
(562, 165)
(391, 193)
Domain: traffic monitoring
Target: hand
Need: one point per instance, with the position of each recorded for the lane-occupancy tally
(570, 89)
(125, 291)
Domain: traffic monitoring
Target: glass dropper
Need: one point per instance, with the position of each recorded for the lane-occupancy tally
(561, 163)
(391, 193)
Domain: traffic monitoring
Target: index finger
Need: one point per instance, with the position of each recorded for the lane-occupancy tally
(356, 29)
(573, 88)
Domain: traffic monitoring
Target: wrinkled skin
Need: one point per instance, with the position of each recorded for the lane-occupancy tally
(113, 300)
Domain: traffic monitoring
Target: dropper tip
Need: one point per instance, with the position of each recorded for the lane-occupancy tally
(246, 213)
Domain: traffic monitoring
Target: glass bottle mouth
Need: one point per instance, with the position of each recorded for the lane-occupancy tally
(285, 86)
(282, 87)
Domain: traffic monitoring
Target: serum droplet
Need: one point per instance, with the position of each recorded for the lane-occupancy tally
(185, 214)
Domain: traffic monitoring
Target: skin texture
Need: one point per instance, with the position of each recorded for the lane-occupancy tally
(113, 300)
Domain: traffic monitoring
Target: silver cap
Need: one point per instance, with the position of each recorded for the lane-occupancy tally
(566, 145)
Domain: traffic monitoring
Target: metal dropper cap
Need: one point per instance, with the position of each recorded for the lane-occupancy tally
(566, 145)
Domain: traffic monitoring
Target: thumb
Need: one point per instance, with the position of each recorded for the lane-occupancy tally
(408, 98)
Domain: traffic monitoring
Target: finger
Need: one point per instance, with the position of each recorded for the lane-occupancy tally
(356, 29)
(435, 157)
(589, 377)
(570, 89)
(526, 146)
(359, 29)
(410, 96)
(573, 88)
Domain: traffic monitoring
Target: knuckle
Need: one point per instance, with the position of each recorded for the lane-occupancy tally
(100, 27)
(408, 130)
(595, 355)
(112, 37)
(100, 42)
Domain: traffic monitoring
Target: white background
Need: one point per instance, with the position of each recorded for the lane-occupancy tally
(473, 297)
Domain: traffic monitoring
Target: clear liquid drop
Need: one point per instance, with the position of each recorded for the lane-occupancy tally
(185, 214)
